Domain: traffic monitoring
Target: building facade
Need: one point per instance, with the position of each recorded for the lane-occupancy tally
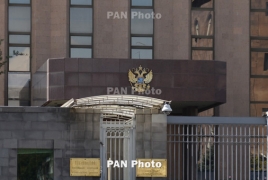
(228, 31)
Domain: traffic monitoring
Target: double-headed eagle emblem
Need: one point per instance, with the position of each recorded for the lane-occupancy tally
(140, 78)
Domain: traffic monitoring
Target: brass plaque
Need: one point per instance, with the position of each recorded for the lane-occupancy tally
(84, 167)
(151, 171)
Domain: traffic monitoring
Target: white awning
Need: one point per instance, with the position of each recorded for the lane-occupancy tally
(124, 105)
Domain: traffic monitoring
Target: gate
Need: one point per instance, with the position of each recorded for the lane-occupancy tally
(216, 148)
(118, 137)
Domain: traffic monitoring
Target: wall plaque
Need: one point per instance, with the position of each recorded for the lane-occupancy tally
(84, 167)
(153, 170)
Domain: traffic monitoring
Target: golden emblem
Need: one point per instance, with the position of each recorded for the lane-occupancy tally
(140, 78)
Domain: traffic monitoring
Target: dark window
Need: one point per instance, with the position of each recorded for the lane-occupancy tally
(265, 66)
(140, 24)
(35, 164)
(200, 3)
(266, 8)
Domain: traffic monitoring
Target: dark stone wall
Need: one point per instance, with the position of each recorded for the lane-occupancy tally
(186, 83)
(71, 134)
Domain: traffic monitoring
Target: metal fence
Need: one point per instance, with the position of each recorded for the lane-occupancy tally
(215, 148)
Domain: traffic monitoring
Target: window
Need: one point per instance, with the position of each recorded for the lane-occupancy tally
(142, 29)
(259, 56)
(81, 28)
(35, 164)
(265, 66)
(19, 52)
(202, 29)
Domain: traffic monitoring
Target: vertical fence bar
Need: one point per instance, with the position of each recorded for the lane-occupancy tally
(179, 153)
(119, 158)
(236, 153)
(262, 134)
(240, 149)
(196, 154)
(249, 169)
(254, 151)
(188, 166)
(214, 147)
(192, 153)
(169, 144)
(219, 148)
(115, 155)
(258, 155)
(232, 152)
(223, 154)
(174, 150)
(245, 154)
(266, 146)
(227, 152)
(205, 152)
(209, 153)
(183, 157)
(201, 154)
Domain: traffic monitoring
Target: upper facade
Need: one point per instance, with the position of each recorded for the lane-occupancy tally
(233, 31)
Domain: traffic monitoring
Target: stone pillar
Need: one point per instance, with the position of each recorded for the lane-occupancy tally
(172, 31)
(232, 33)
(3, 47)
(111, 35)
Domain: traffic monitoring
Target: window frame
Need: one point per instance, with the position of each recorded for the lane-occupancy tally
(81, 34)
(18, 45)
(212, 9)
(141, 35)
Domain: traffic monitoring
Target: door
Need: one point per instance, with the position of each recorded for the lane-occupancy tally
(117, 136)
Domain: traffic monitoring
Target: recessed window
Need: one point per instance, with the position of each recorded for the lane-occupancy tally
(19, 19)
(35, 164)
(81, 40)
(81, 52)
(265, 66)
(19, 58)
(142, 53)
(142, 3)
(81, 29)
(142, 41)
(266, 8)
(19, 1)
(81, 2)
(19, 89)
(202, 3)
(142, 29)
(19, 39)
(81, 20)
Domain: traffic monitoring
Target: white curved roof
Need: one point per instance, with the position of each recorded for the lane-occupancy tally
(122, 105)
(126, 100)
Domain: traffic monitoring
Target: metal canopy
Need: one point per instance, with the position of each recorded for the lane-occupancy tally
(124, 105)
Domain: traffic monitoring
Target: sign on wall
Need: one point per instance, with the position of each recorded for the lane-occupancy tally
(85, 167)
(151, 168)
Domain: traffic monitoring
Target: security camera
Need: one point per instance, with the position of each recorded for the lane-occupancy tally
(265, 114)
(166, 108)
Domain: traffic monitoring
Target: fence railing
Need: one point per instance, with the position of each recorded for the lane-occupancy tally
(215, 148)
